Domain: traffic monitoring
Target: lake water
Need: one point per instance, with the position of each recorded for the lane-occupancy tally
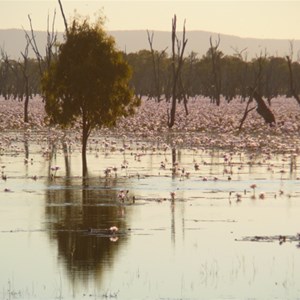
(217, 239)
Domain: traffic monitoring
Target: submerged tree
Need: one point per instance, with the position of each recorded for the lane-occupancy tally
(176, 64)
(156, 65)
(216, 56)
(88, 82)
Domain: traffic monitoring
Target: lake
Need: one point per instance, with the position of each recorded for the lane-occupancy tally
(192, 223)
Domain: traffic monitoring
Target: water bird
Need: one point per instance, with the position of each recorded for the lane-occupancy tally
(123, 195)
(187, 174)
(282, 239)
(113, 238)
(113, 229)
(238, 197)
(55, 168)
(124, 165)
(172, 194)
(107, 172)
(253, 187)
(162, 165)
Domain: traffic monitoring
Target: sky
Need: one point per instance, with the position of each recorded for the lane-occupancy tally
(244, 18)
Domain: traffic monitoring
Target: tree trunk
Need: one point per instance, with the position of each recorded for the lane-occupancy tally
(173, 110)
(263, 109)
(66, 156)
(174, 76)
(84, 160)
(156, 67)
(63, 15)
(177, 61)
(185, 106)
(85, 136)
(26, 101)
(215, 59)
(246, 113)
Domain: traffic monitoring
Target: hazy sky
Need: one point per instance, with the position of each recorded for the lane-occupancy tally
(252, 18)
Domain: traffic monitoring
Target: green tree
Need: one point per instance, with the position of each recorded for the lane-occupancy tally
(88, 82)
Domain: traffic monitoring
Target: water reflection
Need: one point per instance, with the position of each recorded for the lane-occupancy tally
(75, 209)
(176, 249)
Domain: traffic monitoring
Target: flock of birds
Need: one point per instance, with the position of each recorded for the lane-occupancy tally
(206, 127)
(231, 163)
(146, 134)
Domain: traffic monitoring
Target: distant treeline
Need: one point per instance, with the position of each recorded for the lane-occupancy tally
(212, 75)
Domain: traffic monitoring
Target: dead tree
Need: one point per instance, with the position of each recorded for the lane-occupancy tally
(215, 56)
(177, 61)
(156, 58)
(43, 62)
(64, 17)
(262, 109)
(247, 110)
(24, 68)
(183, 96)
(243, 75)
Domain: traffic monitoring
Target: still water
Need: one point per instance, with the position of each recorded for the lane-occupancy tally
(217, 239)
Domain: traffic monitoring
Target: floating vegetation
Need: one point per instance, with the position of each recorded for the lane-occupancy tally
(271, 239)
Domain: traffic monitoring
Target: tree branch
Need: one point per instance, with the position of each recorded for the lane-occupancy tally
(64, 17)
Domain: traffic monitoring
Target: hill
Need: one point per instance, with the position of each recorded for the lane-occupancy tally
(13, 41)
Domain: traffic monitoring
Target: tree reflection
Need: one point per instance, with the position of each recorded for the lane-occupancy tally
(73, 208)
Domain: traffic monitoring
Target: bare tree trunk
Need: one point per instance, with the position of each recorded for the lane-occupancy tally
(215, 57)
(84, 159)
(64, 17)
(24, 68)
(247, 110)
(51, 41)
(263, 109)
(177, 61)
(156, 66)
(26, 102)
(183, 96)
(85, 135)
(67, 158)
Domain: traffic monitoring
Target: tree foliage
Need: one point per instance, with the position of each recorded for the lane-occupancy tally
(88, 82)
(89, 79)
